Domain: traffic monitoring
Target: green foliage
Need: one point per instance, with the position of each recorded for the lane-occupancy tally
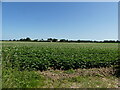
(12, 78)
(93, 82)
(21, 59)
(41, 56)
(70, 71)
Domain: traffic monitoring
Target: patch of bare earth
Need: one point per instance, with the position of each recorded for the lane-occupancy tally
(91, 78)
(60, 74)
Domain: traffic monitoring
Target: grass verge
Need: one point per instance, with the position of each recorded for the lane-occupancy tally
(12, 78)
(78, 78)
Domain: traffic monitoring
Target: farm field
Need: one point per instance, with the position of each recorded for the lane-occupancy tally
(56, 65)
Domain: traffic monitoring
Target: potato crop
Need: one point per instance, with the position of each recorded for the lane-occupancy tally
(47, 55)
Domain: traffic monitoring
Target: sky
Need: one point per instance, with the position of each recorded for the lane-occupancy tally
(61, 20)
(0, 20)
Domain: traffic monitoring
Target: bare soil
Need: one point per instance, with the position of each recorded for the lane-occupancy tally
(61, 74)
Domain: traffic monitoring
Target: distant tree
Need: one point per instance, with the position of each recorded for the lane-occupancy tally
(54, 40)
(62, 40)
(35, 40)
(117, 41)
(66, 40)
(14, 40)
(21, 39)
(109, 41)
(27, 39)
(72, 41)
(49, 39)
(42, 40)
(78, 40)
(95, 41)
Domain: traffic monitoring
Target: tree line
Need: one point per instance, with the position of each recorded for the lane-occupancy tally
(63, 40)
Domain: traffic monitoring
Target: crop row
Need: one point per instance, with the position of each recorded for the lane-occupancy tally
(60, 56)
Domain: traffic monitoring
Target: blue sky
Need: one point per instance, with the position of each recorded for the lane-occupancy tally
(68, 20)
(0, 20)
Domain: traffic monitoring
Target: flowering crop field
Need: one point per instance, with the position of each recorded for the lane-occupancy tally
(64, 56)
